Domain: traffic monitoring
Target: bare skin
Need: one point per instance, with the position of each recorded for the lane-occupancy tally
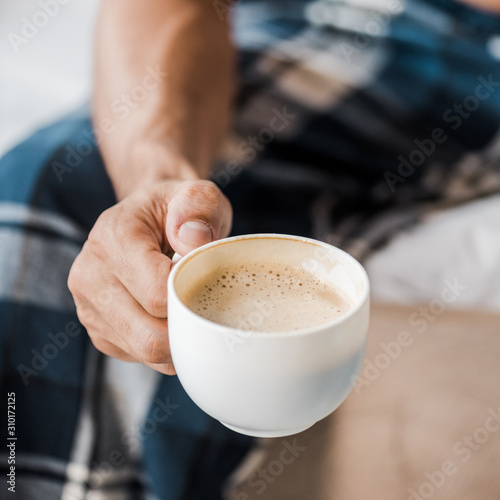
(159, 152)
(157, 157)
(386, 437)
(490, 5)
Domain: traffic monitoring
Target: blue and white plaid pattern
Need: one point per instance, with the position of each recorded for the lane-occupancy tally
(352, 122)
(72, 441)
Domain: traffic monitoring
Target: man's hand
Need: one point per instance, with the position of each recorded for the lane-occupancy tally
(119, 280)
(158, 150)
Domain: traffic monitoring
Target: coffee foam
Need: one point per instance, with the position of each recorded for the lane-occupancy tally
(268, 298)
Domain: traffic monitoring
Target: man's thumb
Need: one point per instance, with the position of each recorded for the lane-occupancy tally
(197, 214)
(195, 233)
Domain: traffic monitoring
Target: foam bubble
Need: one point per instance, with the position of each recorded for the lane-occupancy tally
(255, 299)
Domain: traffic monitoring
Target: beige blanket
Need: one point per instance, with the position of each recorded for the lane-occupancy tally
(422, 421)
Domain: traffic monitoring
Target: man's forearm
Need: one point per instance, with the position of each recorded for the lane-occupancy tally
(164, 77)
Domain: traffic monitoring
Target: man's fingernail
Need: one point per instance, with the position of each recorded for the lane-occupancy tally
(195, 233)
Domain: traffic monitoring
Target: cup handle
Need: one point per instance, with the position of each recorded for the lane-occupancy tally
(176, 258)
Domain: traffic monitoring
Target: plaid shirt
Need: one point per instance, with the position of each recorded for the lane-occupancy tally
(351, 123)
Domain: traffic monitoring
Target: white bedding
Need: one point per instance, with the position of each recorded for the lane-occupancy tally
(50, 74)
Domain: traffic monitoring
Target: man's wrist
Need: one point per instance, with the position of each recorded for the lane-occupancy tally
(147, 164)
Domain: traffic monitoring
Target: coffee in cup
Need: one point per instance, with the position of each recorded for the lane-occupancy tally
(266, 297)
(283, 334)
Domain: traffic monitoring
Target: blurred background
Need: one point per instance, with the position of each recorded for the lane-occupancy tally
(46, 72)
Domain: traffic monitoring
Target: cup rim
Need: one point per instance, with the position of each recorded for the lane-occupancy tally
(262, 333)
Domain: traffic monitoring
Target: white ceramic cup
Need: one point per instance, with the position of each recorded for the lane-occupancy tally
(268, 384)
